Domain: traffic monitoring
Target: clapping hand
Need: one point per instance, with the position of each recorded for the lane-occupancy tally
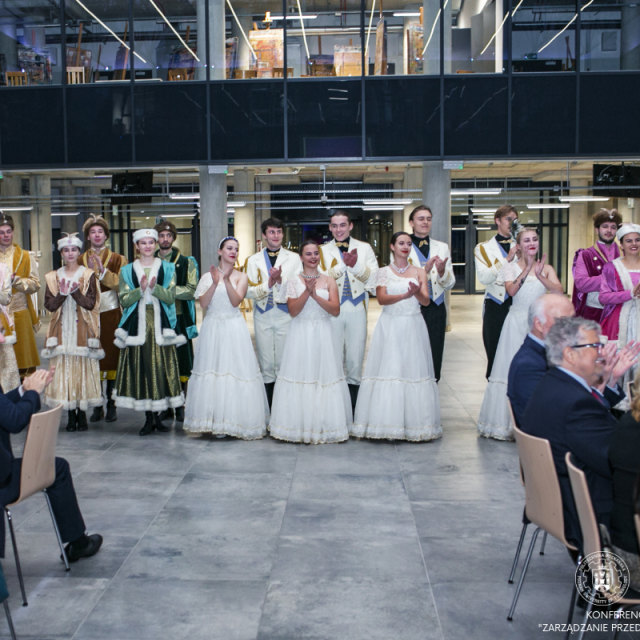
(38, 380)
(95, 262)
(350, 257)
(73, 286)
(513, 252)
(539, 268)
(311, 287)
(275, 276)
(440, 265)
(626, 358)
(215, 275)
(636, 291)
(144, 283)
(412, 290)
(64, 287)
(429, 265)
(226, 275)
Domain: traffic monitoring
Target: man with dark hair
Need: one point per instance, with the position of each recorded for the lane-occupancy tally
(106, 264)
(187, 277)
(25, 281)
(489, 258)
(589, 263)
(267, 270)
(351, 263)
(435, 257)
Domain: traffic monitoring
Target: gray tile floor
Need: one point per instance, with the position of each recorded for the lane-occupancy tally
(223, 539)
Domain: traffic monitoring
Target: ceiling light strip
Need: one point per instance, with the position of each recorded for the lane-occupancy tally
(493, 37)
(566, 27)
(244, 35)
(366, 49)
(304, 35)
(187, 47)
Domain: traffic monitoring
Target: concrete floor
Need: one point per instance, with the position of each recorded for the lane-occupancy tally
(224, 539)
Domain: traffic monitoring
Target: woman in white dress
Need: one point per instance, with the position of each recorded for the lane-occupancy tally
(525, 281)
(226, 392)
(311, 401)
(398, 397)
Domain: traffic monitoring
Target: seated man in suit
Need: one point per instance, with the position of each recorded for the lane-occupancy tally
(16, 409)
(568, 408)
(530, 363)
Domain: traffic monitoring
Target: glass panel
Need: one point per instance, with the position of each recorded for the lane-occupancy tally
(31, 127)
(325, 119)
(247, 120)
(603, 133)
(326, 42)
(475, 116)
(30, 43)
(170, 117)
(98, 41)
(403, 117)
(533, 98)
(166, 41)
(476, 43)
(543, 36)
(105, 136)
(609, 35)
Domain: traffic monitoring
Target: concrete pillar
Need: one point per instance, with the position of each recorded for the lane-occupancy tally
(245, 217)
(398, 216)
(41, 236)
(499, 41)
(431, 64)
(629, 39)
(216, 39)
(412, 180)
(11, 187)
(265, 209)
(581, 231)
(244, 53)
(8, 41)
(436, 194)
(213, 215)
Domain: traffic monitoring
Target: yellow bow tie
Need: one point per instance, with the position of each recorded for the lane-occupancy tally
(273, 253)
(342, 244)
(423, 242)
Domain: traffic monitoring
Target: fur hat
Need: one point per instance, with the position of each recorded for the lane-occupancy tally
(627, 228)
(69, 240)
(165, 225)
(144, 233)
(95, 221)
(606, 215)
(6, 220)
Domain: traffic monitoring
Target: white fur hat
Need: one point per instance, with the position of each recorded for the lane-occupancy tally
(69, 240)
(627, 227)
(145, 233)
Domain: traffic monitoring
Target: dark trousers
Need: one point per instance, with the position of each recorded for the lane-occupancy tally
(494, 316)
(63, 501)
(435, 317)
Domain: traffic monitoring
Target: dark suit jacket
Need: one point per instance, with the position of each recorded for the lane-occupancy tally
(562, 411)
(15, 414)
(527, 368)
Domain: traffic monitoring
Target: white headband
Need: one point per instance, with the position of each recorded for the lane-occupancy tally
(70, 240)
(627, 227)
(145, 233)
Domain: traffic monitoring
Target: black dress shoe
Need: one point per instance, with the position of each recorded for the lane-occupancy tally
(158, 423)
(74, 553)
(180, 414)
(82, 421)
(97, 415)
(72, 424)
(148, 425)
(112, 416)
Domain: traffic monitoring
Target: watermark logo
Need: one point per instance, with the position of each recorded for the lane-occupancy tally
(602, 578)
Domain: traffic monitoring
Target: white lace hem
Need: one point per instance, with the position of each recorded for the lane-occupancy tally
(311, 436)
(394, 432)
(226, 428)
(497, 432)
(217, 376)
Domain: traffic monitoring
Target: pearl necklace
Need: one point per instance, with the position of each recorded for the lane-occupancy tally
(398, 269)
(310, 277)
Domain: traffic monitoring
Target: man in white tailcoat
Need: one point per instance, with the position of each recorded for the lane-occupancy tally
(351, 263)
(267, 270)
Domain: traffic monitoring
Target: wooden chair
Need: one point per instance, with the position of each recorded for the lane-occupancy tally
(278, 72)
(4, 597)
(591, 537)
(16, 78)
(75, 75)
(176, 75)
(543, 500)
(38, 472)
(244, 74)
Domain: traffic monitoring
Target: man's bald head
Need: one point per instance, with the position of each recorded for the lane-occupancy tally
(546, 310)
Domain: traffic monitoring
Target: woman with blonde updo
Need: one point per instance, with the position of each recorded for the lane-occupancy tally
(525, 280)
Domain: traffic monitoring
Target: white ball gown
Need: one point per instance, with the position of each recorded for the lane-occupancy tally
(495, 417)
(226, 392)
(398, 397)
(311, 402)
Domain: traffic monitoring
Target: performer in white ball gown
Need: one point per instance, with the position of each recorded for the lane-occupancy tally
(398, 397)
(226, 391)
(311, 401)
(525, 281)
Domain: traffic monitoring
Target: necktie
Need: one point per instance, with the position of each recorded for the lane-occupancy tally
(597, 396)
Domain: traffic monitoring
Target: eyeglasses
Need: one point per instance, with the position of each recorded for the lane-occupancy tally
(596, 345)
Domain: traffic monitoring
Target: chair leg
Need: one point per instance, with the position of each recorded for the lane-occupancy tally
(55, 527)
(544, 541)
(585, 621)
(12, 631)
(518, 550)
(572, 605)
(524, 572)
(17, 557)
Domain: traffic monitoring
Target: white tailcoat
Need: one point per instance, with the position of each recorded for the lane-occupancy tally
(489, 260)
